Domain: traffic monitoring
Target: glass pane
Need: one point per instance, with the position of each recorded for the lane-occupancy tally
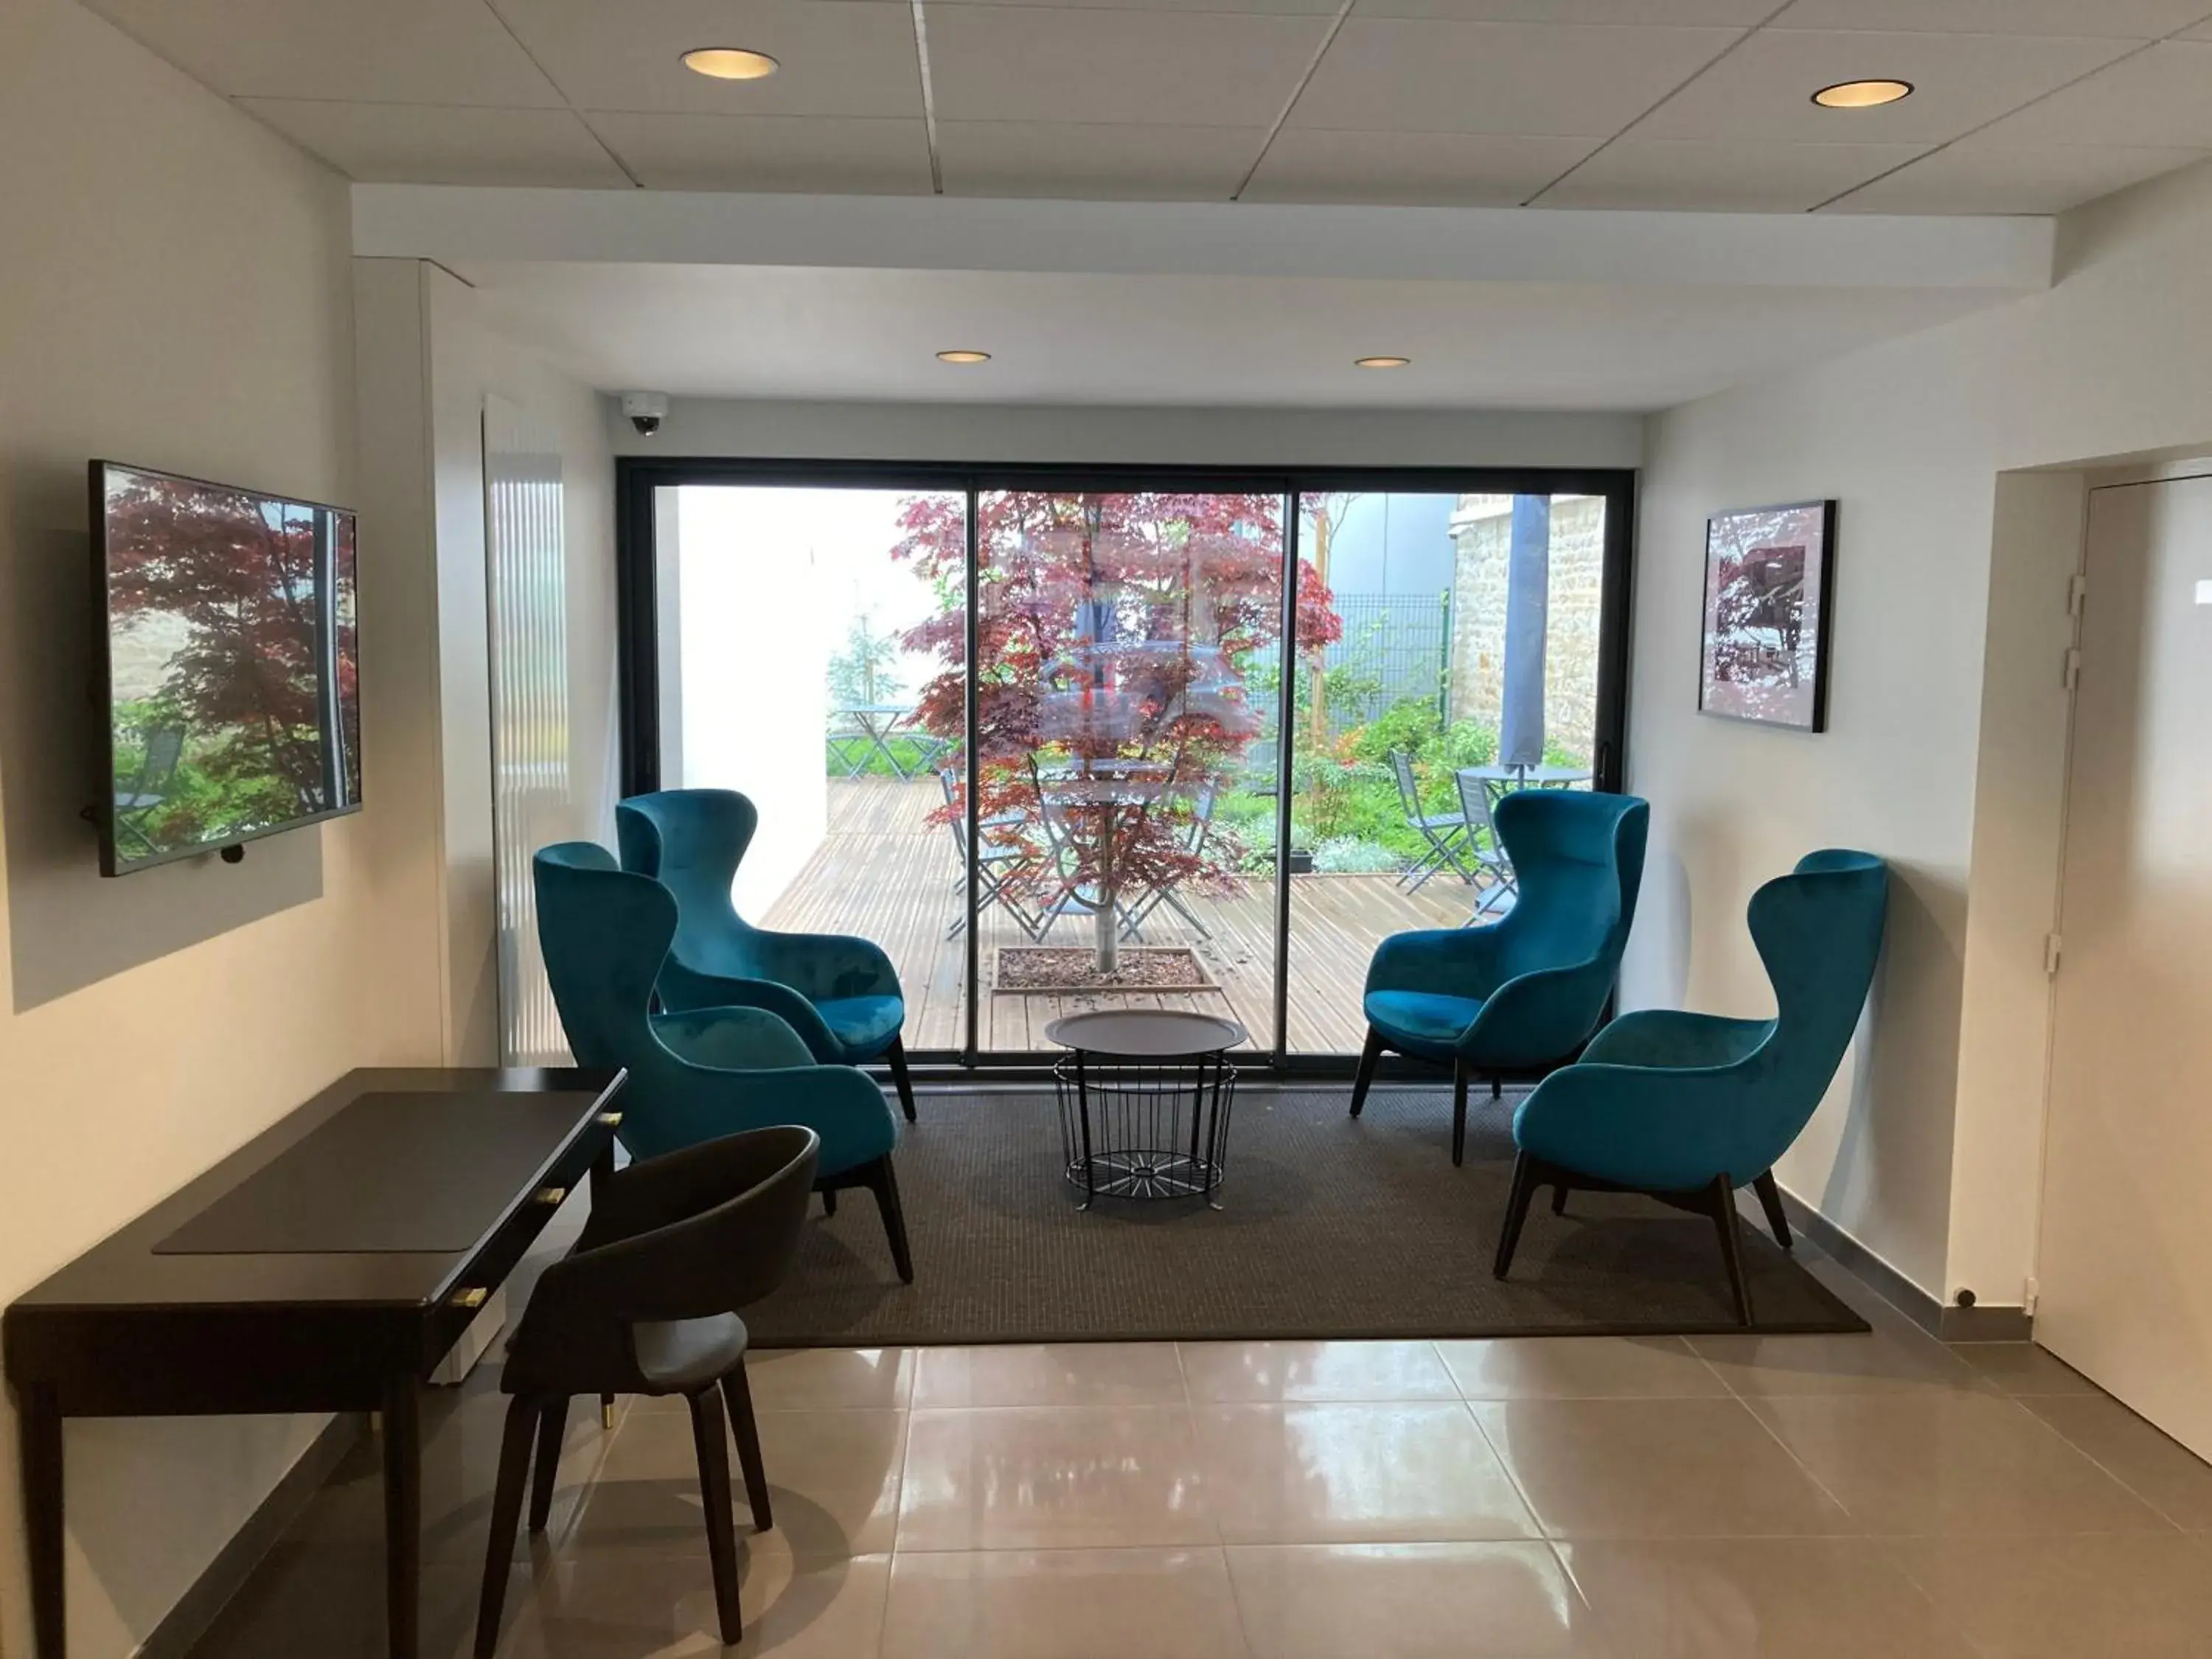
(1126, 724)
(803, 638)
(1464, 665)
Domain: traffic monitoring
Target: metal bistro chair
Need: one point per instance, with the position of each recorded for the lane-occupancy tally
(1486, 847)
(157, 770)
(1195, 838)
(648, 1303)
(1446, 833)
(998, 866)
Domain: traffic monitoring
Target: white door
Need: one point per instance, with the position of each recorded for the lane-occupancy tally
(2126, 1268)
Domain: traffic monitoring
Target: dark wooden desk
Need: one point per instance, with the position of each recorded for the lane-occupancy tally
(149, 1324)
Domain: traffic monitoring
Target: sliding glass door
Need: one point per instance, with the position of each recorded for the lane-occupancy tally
(1227, 733)
(798, 635)
(1469, 660)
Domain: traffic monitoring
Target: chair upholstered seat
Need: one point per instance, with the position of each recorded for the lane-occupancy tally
(682, 1356)
(864, 1026)
(1425, 1022)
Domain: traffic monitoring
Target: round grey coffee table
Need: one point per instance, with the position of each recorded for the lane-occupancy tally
(1145, 1099)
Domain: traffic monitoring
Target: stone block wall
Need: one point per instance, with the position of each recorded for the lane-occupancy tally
(1481, 531)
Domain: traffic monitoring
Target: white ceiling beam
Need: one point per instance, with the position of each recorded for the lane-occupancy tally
(457, 225)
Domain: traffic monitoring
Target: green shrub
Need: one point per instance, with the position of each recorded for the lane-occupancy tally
(1347, 855)
(1410, 724)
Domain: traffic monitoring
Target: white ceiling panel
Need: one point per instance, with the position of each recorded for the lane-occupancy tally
(1392, 75)
(1412, 169)
(2133, 20)
(420, 51)
(2160, 96)
(853, 58)
(1693, 174)
(1090, 160)
(828, 154)
(1762, 92)
(1976, 176)
(1739, 14)
(1057, 63)
(445, 144)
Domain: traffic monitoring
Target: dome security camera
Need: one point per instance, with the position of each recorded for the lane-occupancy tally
(645, 409)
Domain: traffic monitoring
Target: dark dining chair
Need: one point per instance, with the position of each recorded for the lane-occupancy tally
(648, 1303)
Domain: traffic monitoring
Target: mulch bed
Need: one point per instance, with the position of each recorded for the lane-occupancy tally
(1048, 968)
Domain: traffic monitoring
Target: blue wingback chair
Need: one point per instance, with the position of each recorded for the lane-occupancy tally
(839, 994)
(1527, 990)
(1690, 1107)
(698, 1073)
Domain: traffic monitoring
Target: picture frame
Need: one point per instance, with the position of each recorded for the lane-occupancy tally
(1767, 605)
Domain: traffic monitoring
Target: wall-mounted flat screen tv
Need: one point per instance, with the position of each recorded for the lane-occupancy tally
(230, 664)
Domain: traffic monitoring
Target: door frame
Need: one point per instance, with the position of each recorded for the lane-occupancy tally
(638, 479)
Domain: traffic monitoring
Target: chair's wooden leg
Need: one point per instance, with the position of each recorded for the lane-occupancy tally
(607, 1414)
(1368, 1057)
(1770, 1200)
(900, 1075)
(1458, 1112)
(885, 1185)
(523, 1416)
(1722, 1198)
(829, 1201)
(552, 1425)
(1525, 1177)
(738, 1395)
(1559, 1198)
(707, 1438)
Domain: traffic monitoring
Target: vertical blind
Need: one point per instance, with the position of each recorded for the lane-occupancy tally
(526, 582)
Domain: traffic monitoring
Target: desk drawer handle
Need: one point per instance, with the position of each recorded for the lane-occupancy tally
(473, 1298)
(612, 1120)
(551, 1194)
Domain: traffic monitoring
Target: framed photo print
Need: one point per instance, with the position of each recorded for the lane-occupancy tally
(1770, 572)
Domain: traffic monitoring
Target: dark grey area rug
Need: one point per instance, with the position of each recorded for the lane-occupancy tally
(1330, 1227)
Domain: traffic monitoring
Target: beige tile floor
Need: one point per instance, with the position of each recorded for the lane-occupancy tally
(1666, 1500)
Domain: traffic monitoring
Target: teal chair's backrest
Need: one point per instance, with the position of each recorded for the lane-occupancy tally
(603, 933)
(692, 842)
(1578, 860)
(1819, 931)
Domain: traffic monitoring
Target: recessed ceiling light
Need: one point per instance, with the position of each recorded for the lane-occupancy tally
(963, 357)
(1381, 362)
(1862, 95)
(730, 63)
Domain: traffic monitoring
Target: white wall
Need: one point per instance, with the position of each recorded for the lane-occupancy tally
(174, 291)
(1938, 714)
(429, 357)
(1210, 437)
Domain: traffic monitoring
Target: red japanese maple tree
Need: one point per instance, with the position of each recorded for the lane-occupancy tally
(1116, 634)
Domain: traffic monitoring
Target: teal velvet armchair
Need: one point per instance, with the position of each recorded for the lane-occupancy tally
(696, 1073)
(1690, 1107)
(839, 993)
(1528, 991)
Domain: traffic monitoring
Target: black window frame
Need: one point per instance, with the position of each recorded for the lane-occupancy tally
(638, 479)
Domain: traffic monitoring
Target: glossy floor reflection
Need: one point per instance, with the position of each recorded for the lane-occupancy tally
(1711, 1498)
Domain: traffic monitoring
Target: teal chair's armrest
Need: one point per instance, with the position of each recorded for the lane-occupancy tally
(736, 1038)
(825, 966)
(1540, 1016)
(1663, 1130)
(1451, 961)
(685, 989)
(1668, 1038)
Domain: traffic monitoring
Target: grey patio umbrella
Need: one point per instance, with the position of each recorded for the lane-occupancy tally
(1528, 585)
